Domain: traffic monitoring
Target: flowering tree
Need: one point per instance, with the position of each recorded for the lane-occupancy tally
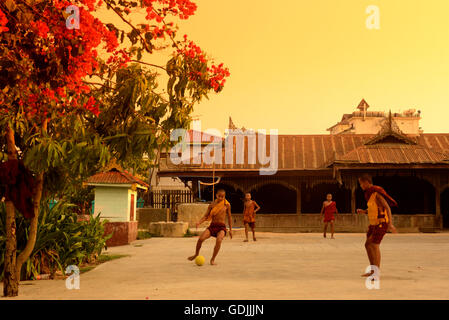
(76, 90)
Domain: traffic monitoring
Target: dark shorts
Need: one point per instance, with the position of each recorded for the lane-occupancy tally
(215, 228)
(329, 219)
(252, 225)
(377, 232)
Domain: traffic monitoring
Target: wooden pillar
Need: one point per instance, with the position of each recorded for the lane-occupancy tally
(437, 203)
(353, 202)
(195, 189)
(437, 185)
(298, 199)
(438, 217)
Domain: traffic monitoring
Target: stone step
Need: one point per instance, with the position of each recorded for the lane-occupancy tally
(429, 230)
(168, 229)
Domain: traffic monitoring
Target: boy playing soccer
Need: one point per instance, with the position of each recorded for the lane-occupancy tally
(380, 219)
(249, 215)
(329, 208)
(217, 212)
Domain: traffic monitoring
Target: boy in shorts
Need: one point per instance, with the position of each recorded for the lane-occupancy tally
(217, 212)
(379, 215)
(249, 215)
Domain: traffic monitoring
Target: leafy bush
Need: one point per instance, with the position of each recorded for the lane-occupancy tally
(61, 240)
(143, 234)
(189, 234)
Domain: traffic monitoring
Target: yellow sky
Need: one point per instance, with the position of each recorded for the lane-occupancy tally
(298, 65)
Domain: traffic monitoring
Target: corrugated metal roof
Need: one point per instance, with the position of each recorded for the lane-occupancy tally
(393, 154)
(311, 152)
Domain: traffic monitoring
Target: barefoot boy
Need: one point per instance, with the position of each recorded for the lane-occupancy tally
(249, 215)
(380, 219)
(217, 212)
(329, 209)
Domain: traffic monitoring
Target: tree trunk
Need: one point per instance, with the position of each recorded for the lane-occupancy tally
(38, 187)
(10, 280)
(25, 254)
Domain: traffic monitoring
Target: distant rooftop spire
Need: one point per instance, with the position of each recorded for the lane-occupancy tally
(390, 121)
(363, 105)
(231, 124)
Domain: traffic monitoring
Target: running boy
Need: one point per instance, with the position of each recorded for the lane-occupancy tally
(329, 208)
(217, 212)
(249, 215)
(380, 219)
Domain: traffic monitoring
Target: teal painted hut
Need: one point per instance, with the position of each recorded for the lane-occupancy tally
(116, 194)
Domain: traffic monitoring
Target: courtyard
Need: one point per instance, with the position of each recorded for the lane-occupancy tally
(277, 266)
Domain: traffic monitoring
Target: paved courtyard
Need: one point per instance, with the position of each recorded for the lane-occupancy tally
(277, 266)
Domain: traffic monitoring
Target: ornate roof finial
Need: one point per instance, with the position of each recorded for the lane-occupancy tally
(363, 105)
(390, 121)
(390, 129)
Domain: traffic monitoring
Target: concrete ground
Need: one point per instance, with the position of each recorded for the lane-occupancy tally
(277, 266)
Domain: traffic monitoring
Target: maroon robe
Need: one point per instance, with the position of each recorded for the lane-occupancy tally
(19, 184)
(368, 192)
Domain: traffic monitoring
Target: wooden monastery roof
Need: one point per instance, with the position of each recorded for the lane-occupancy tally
(393, 154)
(315, 152)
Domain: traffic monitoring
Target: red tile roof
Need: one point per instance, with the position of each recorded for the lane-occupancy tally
(115, 176)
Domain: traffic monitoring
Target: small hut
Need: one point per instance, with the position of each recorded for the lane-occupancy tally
(116, 201)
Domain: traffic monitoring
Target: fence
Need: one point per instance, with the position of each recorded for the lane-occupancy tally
(168, 198)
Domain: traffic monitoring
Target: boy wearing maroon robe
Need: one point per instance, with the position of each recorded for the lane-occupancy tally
(249, 215)
(329, 208)
(379, 215)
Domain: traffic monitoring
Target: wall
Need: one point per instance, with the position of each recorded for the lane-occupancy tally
(168, 229)
(192, 212)
(408, 125)
(147, 215)
(372, 125)
(123, 233)
(345, 223)
(112, 203)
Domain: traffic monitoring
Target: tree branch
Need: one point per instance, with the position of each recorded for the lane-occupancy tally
(131, 25)
(150, 64)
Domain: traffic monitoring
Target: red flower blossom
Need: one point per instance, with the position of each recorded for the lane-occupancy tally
(3, 22)
(67, 57)
(41, 28)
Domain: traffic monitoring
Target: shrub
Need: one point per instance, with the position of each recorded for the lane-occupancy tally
(189, 234)
(61, 240)
(143, 234)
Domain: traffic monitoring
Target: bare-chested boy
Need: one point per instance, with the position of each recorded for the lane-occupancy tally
(217, 212)
(380, 219)
(249, 215)
(329, 208)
